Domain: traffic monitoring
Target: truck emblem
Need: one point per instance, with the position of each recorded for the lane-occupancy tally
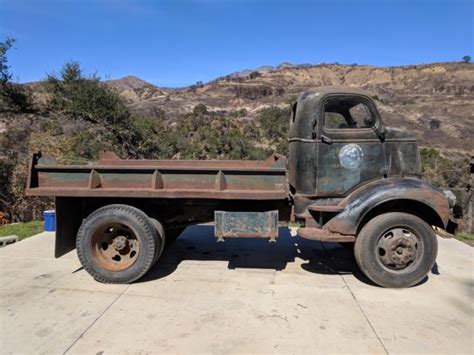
(350, 156)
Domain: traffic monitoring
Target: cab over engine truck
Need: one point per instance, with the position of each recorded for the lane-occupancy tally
(347, 179)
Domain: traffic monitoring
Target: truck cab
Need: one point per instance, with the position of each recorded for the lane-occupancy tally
(352, 179)
(339, 148)
(338, 141)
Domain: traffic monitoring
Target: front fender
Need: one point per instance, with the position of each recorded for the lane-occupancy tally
(407, 194)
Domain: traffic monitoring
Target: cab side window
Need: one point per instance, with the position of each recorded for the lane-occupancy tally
(334, 120)
(347, 113)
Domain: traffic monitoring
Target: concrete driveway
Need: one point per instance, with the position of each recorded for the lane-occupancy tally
(241, 296)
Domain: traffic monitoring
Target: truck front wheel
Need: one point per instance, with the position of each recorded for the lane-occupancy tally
(118, 244)
(396, 249)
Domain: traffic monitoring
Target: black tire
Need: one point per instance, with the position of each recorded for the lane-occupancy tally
(96, 239)
(396, 249)
(160, 231)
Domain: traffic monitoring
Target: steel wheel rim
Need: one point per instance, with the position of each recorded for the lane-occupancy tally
(399, 249)
(115, 246)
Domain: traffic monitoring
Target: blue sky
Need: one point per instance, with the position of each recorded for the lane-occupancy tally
(178, 42)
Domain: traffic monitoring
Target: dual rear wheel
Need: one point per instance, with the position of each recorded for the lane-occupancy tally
(119, 243)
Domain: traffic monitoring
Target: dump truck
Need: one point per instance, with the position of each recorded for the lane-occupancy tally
(348, 179)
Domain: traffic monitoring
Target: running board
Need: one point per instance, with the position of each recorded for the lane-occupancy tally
(324, 235)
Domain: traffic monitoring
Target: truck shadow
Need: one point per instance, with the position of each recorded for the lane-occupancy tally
(197, 243)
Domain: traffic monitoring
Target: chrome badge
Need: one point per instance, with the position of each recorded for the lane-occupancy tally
(351, 156)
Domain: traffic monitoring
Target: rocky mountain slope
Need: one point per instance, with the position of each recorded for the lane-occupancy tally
(133, 89)
(434, 101)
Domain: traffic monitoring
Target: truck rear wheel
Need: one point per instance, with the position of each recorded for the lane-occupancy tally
(160, 231)
(117, 244)
(396, 249)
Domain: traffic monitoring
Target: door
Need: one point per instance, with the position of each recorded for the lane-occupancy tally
(350, 144)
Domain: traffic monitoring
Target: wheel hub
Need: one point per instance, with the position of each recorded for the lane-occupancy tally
(397, 248)
(115, 246)
(120, 243)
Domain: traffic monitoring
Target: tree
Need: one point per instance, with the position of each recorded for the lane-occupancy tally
(466, 59)
(13, 97)
(85, 97)
(254, 75)
(200, 110)
(5, 75)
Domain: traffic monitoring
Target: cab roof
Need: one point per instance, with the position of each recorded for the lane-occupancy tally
(306, 110)
(325, 90)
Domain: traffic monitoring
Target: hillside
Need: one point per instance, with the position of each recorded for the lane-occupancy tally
(241, 116)
(133, 89)
(434, 101)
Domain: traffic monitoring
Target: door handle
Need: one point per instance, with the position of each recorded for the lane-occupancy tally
(326, 139)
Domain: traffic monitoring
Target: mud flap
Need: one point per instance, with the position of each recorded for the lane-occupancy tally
(68, 221)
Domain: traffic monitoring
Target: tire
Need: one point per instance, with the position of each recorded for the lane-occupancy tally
(117, 244)
(396, 249)
(160, 232)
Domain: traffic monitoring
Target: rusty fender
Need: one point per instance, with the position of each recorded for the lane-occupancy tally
(409, 195)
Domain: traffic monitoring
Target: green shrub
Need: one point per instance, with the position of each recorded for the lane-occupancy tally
(254, 75)
(441, 171)
(85, 97)
(5, 75)
(240, 113)
(200, 110)
(274, 124)
(13, 97)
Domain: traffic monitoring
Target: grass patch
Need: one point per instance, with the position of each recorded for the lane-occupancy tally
(467, 238)
(294, 224)
(22, 230)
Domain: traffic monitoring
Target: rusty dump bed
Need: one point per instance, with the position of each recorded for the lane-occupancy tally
(114, 177)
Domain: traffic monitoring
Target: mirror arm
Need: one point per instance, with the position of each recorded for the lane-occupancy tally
(379, 134)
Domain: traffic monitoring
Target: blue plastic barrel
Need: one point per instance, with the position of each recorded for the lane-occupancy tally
(49, 220)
